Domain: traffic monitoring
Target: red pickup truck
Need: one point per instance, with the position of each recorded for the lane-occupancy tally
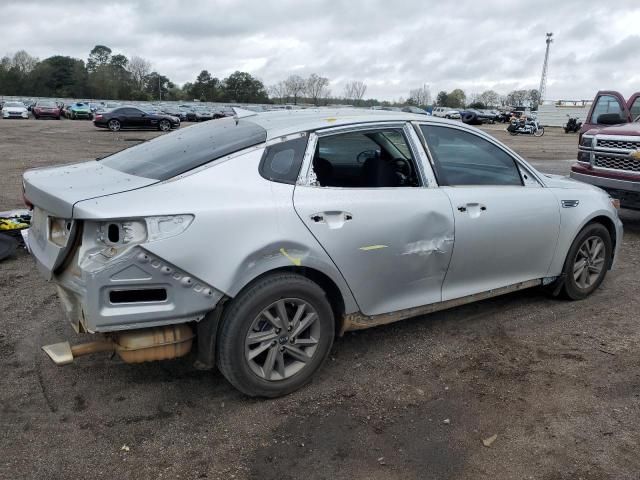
(609, 147)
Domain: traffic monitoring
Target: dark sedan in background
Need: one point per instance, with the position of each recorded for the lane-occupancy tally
(133, 117)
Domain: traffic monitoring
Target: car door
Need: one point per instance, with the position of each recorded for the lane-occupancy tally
(367, 201)
(506, 221)
(606, 102)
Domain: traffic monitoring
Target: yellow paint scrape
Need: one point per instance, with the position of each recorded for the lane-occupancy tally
(296, 261)
(372, 247)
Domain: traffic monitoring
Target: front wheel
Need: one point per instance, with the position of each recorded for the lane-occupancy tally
(114, 125)
(164, 125)
(587, 261)
(275, 335)
(539, 132)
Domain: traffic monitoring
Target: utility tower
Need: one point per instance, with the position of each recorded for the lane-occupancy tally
(543, 78)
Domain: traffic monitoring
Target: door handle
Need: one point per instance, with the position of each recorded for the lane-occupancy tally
(472, 208)
(334, 219)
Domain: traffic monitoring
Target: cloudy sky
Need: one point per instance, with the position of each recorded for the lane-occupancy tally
(393, 46)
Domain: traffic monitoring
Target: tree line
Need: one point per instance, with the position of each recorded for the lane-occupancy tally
(110, 75)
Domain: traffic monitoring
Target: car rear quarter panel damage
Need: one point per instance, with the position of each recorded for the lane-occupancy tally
(244, 225)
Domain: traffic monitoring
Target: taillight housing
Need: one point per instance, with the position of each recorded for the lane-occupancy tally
(97, 116)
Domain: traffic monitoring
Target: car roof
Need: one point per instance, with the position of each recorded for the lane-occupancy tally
(278, 123)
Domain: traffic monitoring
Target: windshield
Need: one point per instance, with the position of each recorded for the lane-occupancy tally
(47, 104)
(178, 152)
(14, 104)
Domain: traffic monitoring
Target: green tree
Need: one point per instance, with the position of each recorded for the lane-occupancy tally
(456, 99)
(441, 99)
(243, 88)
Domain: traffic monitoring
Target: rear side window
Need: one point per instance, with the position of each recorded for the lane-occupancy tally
(281, 162)
(169, 155)
(462, 158)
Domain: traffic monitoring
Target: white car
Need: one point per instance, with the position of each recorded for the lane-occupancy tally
(445, 112)
(263, 236)
(14, 110)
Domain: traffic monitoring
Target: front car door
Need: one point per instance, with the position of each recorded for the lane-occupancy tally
(606, 102)
(506, 221)
(368, 201)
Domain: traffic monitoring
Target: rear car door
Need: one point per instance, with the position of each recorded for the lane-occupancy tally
(506, 221)
(367, 202)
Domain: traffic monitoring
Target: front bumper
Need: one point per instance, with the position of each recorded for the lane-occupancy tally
(624, 189)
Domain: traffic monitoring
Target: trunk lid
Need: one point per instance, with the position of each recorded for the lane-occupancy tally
(57, 189)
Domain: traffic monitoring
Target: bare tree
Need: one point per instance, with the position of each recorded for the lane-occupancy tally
(490, 98)
(355, 90)
(139, 69)
(421, 96)
(24, 62)
(278, 91)
(295, 85)
(316, 88)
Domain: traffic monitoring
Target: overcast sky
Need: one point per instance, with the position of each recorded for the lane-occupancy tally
(393, 46)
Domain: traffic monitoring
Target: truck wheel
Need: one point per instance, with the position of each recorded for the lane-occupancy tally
(275, 335)
(587, 261)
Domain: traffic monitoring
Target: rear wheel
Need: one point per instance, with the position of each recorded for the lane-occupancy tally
(275, 335)
(587, 261)
(114, 125)
(164, 125)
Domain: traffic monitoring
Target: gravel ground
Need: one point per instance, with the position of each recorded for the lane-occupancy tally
(557, 382)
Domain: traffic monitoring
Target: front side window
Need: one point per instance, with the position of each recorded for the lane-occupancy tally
(635, 109)
(365, 159)
(606, 104)
(462, 158)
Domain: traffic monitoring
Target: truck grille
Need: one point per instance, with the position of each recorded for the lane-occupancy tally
(616, 163)
(620, 144)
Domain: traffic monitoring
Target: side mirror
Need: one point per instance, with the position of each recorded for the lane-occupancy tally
(610, 119)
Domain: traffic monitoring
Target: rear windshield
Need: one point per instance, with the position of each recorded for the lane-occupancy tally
(169, 155)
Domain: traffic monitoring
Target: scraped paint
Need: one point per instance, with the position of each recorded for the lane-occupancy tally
(372, 247)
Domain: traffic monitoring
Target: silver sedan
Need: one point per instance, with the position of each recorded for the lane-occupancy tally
(253, 241)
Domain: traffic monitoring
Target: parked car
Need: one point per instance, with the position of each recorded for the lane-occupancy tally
(79, 110)
(223, 112)
(46, 109)
(445, 112)
(199, 113)
(133, 117)
(411, 109)
(609, 147)
(231, 232)
(174, 112)
(14, 110)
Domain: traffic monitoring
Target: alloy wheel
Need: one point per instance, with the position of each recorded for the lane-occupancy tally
(589, 262)
(282, 339)
(114, 125)
(165, 126)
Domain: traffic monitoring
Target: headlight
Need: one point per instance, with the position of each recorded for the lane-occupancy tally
(586, 141)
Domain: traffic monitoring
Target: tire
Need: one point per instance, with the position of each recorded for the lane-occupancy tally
(244, 317)
(114, 125)
(572, 288)
(164, 125)
(469, 118)
(539, 132)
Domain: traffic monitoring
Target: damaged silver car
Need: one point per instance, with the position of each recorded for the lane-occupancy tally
(255, 240)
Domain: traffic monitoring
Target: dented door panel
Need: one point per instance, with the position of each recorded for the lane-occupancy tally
(395, 248)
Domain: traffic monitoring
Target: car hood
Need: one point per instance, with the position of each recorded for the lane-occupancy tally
(57, 189)
(14, 109)
(559, 181)
(626, 129)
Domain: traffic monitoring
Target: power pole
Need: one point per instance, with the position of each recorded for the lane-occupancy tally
(160, 85)
(543, 78)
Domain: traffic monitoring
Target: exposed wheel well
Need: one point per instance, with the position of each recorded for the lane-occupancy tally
(331, 289)
(609, 225)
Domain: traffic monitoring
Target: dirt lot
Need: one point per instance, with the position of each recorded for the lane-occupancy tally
(558, 382)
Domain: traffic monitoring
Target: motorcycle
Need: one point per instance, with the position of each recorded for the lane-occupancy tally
(525, 127)
(572, 125)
